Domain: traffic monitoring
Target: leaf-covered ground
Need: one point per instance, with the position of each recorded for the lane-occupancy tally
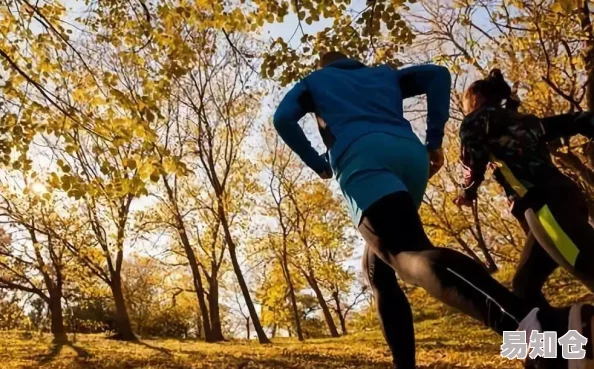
(444, 340)
(448, 342)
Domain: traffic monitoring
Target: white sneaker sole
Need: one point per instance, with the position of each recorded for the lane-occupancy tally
(530, 323)
(576, 323)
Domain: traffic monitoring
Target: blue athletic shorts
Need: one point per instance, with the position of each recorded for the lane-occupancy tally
(379, 164)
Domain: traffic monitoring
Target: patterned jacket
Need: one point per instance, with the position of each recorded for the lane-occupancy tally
(514, 144)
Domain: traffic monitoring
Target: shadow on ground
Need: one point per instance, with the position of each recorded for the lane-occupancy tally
(435, 350)
(198, 359)
(155, 348)
(57, 348)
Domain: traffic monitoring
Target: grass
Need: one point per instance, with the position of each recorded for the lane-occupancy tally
(449, 342)
(445, 340)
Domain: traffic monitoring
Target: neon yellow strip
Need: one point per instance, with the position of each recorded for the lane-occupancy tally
(563, 243)
(509, 177)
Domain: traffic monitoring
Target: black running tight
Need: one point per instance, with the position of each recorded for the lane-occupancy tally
(397, 242)
(558, 234)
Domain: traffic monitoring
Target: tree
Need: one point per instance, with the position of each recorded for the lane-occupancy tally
(283, 245)
(222, 108)
(376, 32)
(88, 110)
(159, 307)
(33, 260)
(546, 47)
(12, 315)
(311, 226)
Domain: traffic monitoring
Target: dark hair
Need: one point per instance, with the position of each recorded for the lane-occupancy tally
(500, 88)
(491, 91)
(330, 57)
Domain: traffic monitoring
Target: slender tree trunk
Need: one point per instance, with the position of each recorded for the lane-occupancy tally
(246, 295)
(57, 317)
(340, 314)
(191, 256)
(295, 311)
(198, 286)
(588, 54)
(247, 327)
(491, 264)
(313, 283)
(215, 314)
(274, 326)
(239, 274)
(199, 329)
(123, 325)
(292, 297)
(469, 251)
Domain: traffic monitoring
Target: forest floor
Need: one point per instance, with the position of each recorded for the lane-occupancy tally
(448, 342)
(445, 339)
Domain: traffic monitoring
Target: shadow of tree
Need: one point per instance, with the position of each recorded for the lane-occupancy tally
(273, 357)
(429, 344)
(230, 362)
(156, 348)
(57, 347)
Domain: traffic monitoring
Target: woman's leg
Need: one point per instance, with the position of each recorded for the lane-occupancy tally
(562, 228)
(394, 311)
(533, 270)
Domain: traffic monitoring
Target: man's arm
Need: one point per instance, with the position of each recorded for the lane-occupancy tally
(435, 82)
(475, 155)
(292, 108)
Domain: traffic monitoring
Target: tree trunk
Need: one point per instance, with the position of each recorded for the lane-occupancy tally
(123, 325)
(247, 327)
(295, 312)
(239, 274)
(588, 54)
(292, 297)
(198, 286)
(191, 256)
(340, 314)
(57, 317)
(246, 294)
(313, 283)
(215, 314)
(469, 251)
(274, 330)
(199, 333)
(491, 264)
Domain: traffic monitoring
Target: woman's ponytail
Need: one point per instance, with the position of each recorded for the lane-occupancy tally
(490, 91)
(500, 88)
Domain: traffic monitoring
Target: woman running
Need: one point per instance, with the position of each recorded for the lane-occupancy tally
(382, 169)
(549, 206)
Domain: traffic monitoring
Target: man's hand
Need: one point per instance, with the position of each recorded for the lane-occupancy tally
(323, 169)
(325, 174)
(435, 161)
(462, 200)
